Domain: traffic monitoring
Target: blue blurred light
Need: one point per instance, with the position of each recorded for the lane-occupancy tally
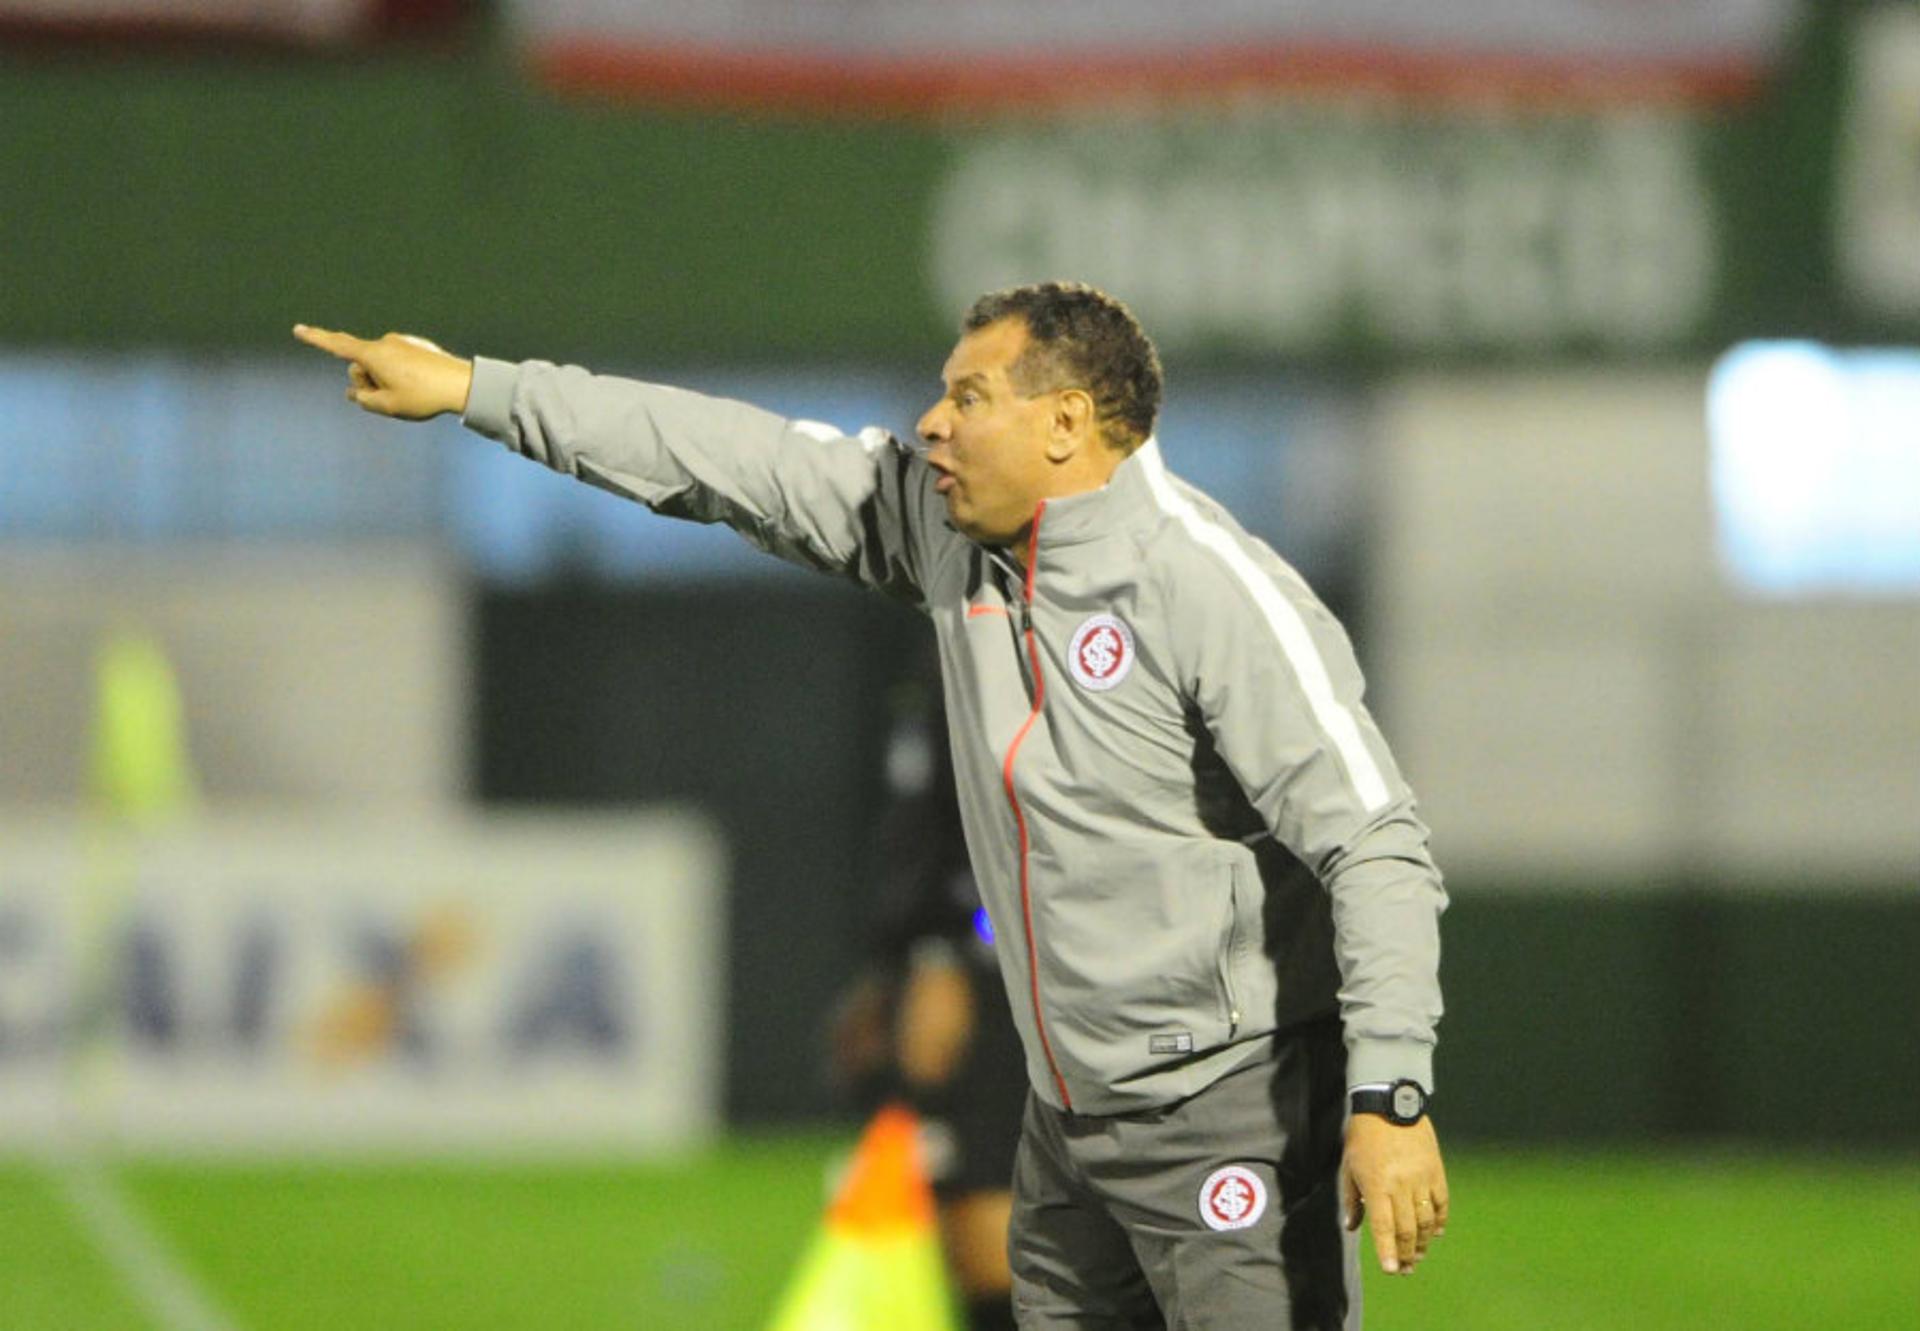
(983, 925)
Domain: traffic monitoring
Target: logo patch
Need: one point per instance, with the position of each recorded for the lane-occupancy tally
(1233, 1197)
(1101, 653)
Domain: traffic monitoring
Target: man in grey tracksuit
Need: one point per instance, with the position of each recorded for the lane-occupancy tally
(1214, 905)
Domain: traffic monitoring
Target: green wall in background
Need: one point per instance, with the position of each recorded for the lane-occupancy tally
(210, 201)
(207, 199)
(1618, 1012)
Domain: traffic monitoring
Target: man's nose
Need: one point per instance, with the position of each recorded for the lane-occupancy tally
(933, 426)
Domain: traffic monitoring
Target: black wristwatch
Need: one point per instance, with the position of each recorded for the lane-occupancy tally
(1404, 1103)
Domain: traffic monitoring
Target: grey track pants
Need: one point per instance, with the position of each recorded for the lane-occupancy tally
(1222, 1211)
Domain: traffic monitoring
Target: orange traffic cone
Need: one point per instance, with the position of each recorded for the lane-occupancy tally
(875, 1264)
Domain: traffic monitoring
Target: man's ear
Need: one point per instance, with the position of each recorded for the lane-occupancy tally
(1072, 425)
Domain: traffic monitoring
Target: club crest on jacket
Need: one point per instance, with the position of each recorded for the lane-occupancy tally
(1101, 653)
(1233, 1197)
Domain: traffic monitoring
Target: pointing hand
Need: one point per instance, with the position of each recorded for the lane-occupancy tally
(398, 375)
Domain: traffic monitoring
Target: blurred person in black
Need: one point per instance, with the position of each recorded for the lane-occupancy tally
(926, 1021)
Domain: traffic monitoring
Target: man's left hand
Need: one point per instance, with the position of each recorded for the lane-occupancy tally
(1394, 1176)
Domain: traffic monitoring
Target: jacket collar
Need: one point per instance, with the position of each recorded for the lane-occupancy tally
(1125, 503)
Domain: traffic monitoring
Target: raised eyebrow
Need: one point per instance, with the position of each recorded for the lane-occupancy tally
(974, 378)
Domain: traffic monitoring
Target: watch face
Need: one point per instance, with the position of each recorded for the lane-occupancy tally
(1406, 1101)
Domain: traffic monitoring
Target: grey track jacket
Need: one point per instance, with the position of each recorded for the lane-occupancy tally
(1188, 831)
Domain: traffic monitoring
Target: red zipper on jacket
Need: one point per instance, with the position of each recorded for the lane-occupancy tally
(1020, 819)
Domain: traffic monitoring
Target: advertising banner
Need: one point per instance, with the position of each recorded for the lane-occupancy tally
(344, 986)
(1362, 178)
(928, 54)
(1287, 227)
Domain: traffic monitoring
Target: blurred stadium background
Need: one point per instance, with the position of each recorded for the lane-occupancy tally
(469, 968)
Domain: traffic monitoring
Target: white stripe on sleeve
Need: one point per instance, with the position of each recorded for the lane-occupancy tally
(1296, 642)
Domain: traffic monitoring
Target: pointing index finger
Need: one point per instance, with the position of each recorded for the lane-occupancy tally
(344, 345)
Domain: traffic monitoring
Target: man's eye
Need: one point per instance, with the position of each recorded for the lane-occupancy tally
(969, 398)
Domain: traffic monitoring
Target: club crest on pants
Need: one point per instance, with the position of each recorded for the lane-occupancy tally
(1101, 653)
(1233, 1197)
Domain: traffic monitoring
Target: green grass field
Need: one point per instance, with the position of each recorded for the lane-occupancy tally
(1692, 1242)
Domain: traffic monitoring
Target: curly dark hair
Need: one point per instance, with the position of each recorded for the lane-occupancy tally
(1080, 336)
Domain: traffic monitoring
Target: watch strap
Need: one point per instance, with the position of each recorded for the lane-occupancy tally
(1403, 1102)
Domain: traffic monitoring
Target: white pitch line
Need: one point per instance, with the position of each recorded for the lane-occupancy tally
(164, 1288)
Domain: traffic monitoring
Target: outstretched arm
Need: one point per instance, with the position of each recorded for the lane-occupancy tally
(398, 375)
(860, 506)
